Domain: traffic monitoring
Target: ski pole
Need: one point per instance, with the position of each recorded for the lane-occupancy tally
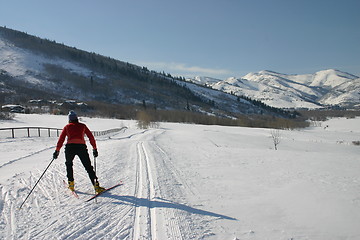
(37, 182)
(95, 165)
(95, 174)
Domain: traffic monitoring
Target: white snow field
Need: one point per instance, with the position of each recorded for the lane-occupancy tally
(185, 181)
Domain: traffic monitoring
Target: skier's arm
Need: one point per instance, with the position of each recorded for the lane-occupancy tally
(61, 139)
(91, 137)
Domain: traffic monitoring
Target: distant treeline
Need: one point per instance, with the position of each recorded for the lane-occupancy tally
(325, 114)
(183, 116)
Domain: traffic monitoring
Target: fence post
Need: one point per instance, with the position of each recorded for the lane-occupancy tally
(28, 130)
(39, 132)
(12, 133)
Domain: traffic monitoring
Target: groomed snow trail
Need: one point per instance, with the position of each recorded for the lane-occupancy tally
(145, 217)
(150, 205)
(155, 217)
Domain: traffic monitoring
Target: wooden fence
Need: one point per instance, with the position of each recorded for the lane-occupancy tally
(106, 132)
(45, 132)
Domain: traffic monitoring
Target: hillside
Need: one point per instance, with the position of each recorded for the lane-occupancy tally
(35, 68)
(321, 89)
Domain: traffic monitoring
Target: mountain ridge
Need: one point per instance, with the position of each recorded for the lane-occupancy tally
(324, 88)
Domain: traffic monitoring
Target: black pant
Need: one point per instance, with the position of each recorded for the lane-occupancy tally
(71, 150)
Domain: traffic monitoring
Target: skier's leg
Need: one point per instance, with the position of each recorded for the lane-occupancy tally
(85, 160)
(69, 156)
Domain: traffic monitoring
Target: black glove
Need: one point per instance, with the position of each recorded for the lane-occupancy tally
(55, 154)
(95, 153)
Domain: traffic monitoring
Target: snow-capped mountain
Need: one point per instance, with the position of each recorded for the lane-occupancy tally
(206, 81)
(324, 88)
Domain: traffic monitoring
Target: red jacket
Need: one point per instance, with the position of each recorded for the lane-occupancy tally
(75, 133)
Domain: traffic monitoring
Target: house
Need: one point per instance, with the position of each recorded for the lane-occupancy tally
(13, 108)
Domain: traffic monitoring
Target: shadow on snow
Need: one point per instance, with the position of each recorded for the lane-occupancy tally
(163, 203)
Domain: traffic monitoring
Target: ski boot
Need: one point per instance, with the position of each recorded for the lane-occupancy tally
(71, 185)
(97, 188)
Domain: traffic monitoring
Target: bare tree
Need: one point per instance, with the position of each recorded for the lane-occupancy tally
(276, 136)
(145, 120)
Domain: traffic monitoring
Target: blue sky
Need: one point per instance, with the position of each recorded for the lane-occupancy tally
(214, 38)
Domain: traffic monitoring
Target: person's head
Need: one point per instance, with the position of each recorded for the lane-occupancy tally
(72, 116)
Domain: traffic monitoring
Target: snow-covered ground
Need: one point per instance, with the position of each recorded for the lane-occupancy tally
(186, 181)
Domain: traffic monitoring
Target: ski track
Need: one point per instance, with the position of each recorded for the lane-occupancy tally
(27, 156)
(181, 224)
(144, 222)
(144, 207)
(158, 180)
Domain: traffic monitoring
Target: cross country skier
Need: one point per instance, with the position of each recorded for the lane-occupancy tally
(76, 145)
